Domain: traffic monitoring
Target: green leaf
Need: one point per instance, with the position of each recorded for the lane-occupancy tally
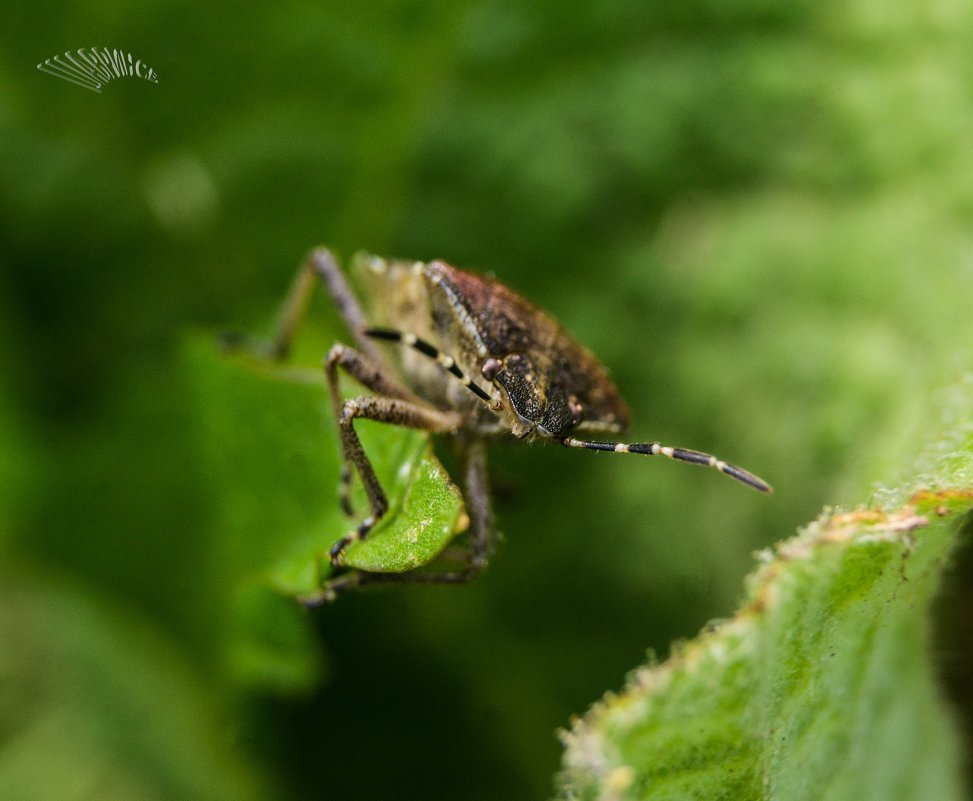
(273, 446)
(271, 452)
(819, 688)
(425, 514)
(96, 703)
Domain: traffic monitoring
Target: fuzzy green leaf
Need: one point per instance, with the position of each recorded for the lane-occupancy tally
(819, 688)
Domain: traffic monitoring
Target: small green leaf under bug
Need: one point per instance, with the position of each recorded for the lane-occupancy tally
(268, 442)
(425, 516)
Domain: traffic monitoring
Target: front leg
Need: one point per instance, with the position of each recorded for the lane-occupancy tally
(395, 411)
(369, 374)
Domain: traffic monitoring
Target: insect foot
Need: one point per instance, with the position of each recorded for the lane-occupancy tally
(357, 535)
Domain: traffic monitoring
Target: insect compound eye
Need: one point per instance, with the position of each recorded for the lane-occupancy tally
(518, 379)
(490, 368)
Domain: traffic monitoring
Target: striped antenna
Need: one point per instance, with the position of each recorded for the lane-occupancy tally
(679, 454)
(448, 363)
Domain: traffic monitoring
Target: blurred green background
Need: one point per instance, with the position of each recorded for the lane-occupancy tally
(759, 215)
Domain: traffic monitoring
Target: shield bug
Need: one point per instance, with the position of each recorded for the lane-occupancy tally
(476, 362)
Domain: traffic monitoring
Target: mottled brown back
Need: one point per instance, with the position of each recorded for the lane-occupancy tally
(546, 374)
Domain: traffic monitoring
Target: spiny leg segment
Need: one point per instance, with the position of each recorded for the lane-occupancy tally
(393, 404)
(679, 454)
(384, 410)
(373, 377)
(320, 266)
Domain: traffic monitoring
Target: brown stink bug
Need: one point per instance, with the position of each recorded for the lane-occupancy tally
(478, 363)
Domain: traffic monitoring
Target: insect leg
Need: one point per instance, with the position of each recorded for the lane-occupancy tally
(679, 454)
(476, 487)
(372, 376)
(384, 410)
(365, 371)
(481, 541)
(321, 265)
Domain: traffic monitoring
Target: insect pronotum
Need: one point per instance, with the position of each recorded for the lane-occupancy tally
(478, 362)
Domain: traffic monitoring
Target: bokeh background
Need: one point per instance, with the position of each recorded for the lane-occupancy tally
(759, 215)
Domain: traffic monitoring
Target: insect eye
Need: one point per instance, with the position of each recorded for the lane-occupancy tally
(490, 368)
